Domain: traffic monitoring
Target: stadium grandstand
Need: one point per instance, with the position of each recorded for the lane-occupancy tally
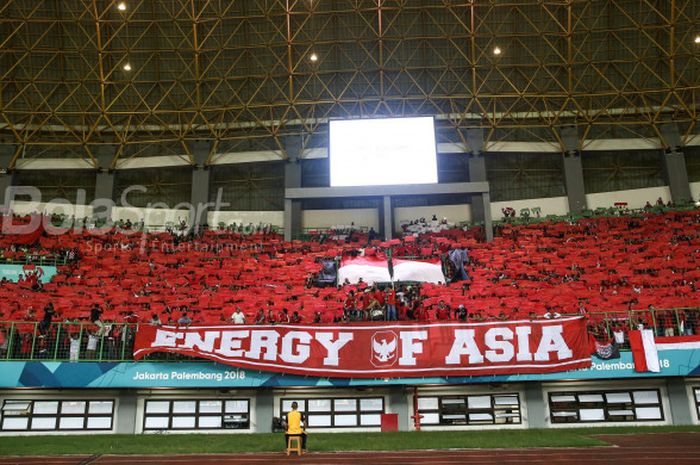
(399, 216)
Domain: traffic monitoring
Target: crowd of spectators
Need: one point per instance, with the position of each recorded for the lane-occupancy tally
(620, 265)
(423, 226)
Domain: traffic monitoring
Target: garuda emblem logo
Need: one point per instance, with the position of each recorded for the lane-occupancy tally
(384, 350)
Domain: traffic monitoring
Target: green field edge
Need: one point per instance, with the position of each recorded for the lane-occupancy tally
(186, 444)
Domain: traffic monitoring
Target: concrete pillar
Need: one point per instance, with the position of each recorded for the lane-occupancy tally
(673, 161)
(399, 402)
(387, 219)
(6, 174)
(292, 179)
(573, 169)
(536, 405)
(199, 194)
(287, 219)
(104, 181)
(488, 223)
(477, 167)
(104, 184)
(264, 411)
(477, 173)
(480, 203)
(682, 409)
(380, 222)
(126, 413)
(5, 183)
(292, 219)
(573, 179)
(676, 173)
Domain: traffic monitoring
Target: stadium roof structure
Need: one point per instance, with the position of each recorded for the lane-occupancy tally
(148, 77)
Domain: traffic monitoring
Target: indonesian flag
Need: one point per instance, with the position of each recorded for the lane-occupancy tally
(678, 343)
(421, 271)
(644, 351)
(370, 269)
(374, 269)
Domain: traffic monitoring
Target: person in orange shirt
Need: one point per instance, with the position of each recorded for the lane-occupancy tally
(294, 426)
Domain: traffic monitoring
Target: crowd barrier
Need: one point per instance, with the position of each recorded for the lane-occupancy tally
(84, 341)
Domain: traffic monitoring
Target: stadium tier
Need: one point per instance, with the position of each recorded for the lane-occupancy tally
(599, 265)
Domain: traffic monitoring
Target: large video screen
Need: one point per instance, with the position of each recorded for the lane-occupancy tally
(389, 151)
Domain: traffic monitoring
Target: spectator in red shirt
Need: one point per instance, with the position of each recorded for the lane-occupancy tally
(349, 305)
(391, 314)
(379, 296)
(421, 313)
(443, 311)
(271, 319)
(283, 316)
(365, 297)
(22, 281)
(401, 310)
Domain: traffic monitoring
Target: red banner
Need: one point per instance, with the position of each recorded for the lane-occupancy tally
(382, 351)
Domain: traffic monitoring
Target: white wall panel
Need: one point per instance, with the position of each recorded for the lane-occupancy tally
(368, 217)
(549, 206)
(275, 218)
(453, 213)
(635, 198)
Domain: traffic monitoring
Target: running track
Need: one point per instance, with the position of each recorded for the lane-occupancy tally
(639, 449)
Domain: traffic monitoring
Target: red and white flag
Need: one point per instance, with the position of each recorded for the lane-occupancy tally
(370, 269)
(418, 270)
(376, 270)
(644, 351)
(678, 343)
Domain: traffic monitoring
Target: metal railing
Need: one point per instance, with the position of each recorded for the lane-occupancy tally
(28, 341)
(38, 260)
(664, 322)
(66, 341)
(600, 212)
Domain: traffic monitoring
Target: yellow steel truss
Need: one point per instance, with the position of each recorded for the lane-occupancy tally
(238, 72)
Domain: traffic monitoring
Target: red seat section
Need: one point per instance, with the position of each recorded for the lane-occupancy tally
(603, 264)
